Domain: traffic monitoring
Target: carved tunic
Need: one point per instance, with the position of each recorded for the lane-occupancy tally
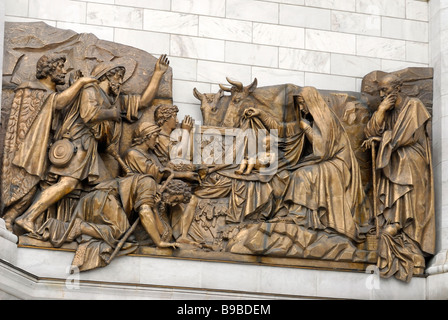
(80, 127)
(144, 163)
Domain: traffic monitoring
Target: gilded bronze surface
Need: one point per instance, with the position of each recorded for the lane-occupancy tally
(97, 162)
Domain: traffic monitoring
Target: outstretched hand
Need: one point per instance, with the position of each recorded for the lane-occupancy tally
(79, 77)
(162, 64)
(87, 80)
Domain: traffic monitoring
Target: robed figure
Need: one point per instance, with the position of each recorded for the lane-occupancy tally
(405, 182)
(325, 191)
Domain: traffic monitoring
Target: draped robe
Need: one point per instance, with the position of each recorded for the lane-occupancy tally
(325, 187)
(405, 186)
(80, 127)
(27, 138)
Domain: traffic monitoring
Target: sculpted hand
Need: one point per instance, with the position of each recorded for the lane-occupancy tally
(78, 74)
(162, 64)
(116, 114)
(388, 103)
(369, 143)
(252, 112)
(187, 123)
(87, 80)
(157, 198)
(305, 124)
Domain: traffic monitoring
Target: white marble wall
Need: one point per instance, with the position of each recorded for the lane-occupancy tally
(330, 44)
(438, 58)
(2, 27)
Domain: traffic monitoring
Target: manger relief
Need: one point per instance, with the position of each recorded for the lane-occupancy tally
(95, 161)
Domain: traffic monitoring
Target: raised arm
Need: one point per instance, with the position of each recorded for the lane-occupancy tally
(376, 124)
(64, 98)
(151, 90)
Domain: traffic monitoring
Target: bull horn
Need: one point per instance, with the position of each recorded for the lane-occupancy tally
(253, 85)
(237, 84)
(197, 94)
(223, 88)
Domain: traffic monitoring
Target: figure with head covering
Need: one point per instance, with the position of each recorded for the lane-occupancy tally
(32, 121)
(170, 149)
(141, 158)
(102, 218)
(94, 118)
(405, 183)
(324, 191)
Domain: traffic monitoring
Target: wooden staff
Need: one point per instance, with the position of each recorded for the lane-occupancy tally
(375, 190)
(134, 225)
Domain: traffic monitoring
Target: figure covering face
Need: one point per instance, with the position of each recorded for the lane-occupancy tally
(325, 190)
(405, 186)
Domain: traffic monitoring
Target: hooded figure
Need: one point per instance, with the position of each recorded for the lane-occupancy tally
(325, 189)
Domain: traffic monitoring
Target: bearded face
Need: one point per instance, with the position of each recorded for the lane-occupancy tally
(115, 78)
(58, 73)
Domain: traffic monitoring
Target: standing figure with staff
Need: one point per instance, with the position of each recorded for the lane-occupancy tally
(405, 193)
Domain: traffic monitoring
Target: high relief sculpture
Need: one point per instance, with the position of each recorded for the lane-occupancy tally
(96, 162)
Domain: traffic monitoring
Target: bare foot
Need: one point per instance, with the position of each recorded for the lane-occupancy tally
(239, 172)
(164, 244)
(26, 224)
(183, 240)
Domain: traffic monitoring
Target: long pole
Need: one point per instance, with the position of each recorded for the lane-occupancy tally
(134, 225)
(375, 190)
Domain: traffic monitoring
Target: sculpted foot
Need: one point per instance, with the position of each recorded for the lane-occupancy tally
(183, 240)
(164, 244)
(26, 224)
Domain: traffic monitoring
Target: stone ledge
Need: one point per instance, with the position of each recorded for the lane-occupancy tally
(6, 234)
(8, 244)
(143, 277)
(187, 252)
(438, 264)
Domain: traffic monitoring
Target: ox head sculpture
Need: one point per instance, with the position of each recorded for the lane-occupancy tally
(219, 109)
(239, 95)
(212, 107)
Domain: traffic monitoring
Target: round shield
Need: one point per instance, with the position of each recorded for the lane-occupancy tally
(61, 152)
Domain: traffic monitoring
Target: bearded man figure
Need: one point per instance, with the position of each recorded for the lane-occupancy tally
(94, 118)
(32, 121)
(405, 184)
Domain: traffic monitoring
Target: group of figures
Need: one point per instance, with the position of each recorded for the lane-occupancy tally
(57, 185)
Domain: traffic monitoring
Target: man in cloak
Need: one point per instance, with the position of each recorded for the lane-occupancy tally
(94, 118)
(33, 118)
(405, 184)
